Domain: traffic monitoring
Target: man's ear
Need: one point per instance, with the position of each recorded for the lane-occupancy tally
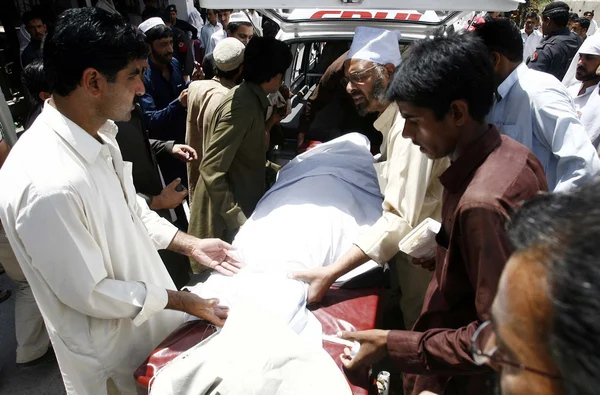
(390, 69)
(496, 58)
(459, 111)
(93, 82)
(44, 96)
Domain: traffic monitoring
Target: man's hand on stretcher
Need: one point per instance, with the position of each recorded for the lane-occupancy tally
(206, 309)
(213, 253)
(321, 279)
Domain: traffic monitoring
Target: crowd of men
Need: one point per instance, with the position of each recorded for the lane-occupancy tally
(493, 132)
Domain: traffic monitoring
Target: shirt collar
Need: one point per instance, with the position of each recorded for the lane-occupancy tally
(453, 178)
(385, 121)
(563, 31)
(258, 91)
(227, 84)
(513, 77)
(587, 92)
(80, 140)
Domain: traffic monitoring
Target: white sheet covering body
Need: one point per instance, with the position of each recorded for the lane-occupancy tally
(321, 202)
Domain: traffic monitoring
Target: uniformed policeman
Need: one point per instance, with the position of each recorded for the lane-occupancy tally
(555, 52)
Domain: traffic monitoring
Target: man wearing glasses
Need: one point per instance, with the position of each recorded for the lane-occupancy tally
(545, 336)
(443, 90)
(407, 178)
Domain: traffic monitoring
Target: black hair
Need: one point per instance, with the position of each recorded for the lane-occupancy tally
(234, 26)
(558, 12)
(502, 36)
(584, 22)
(532, 15)
(573, 16)
(34, 79)
(264, 58)
(158, 32)
(564, 228)
(30, 16)
(223, 10)
(89, 37)
(440, 70)
(589, 12)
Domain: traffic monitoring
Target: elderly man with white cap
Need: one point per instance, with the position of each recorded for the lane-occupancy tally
(585, 92)
(408, 179)
(205, 96)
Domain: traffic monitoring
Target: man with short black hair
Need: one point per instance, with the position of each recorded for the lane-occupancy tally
(86, 243)
(37, 29)
(580, 27)
(444, 88)
(535, 109)
(165, 100)
(555, 52)
(211, 26)
(232, 171)
(531, 36)
(593, 25)
(223, 18)
(37, 86)
(179, 23)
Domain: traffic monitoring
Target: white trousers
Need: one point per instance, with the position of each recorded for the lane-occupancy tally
(32, 338)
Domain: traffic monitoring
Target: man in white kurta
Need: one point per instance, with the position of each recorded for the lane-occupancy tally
(531, 37)
(407, 178)
(86, 242)
(585, 91)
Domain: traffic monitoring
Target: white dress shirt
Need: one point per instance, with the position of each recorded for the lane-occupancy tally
(530, 42)
(214, 40)
(587, 106)
(536, 110)
(593, 28)
(205, 35)
(88, 247)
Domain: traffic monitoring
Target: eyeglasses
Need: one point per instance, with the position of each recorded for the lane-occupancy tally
(357, 78)
(494, 358)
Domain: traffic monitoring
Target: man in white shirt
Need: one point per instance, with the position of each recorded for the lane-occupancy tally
(223, 17)
(211, 26)
(593, 25)
(531, 37)
(86, 243)
(407, 178)
(535, 109)
(585, 93)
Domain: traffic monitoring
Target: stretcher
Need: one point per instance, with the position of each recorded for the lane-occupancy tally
(341, 309)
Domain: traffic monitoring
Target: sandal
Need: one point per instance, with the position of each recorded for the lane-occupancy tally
(4, 295)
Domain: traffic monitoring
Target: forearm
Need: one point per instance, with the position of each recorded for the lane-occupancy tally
(352, 259)
(180, 300)
(182, 244)
(436, 351)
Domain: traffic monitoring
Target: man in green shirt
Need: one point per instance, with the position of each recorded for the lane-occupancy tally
(232, 171)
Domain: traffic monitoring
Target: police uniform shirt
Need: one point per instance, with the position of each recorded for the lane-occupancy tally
(554, 54)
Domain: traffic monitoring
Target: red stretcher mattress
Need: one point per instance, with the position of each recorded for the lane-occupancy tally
(341, 309)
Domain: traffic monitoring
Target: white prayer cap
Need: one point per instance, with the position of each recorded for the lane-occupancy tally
(228, 54)
(238, 17)
(591, 45)
(150, 23)
(376, 45)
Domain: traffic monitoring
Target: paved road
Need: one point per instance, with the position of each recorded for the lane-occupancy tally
(43, 379)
